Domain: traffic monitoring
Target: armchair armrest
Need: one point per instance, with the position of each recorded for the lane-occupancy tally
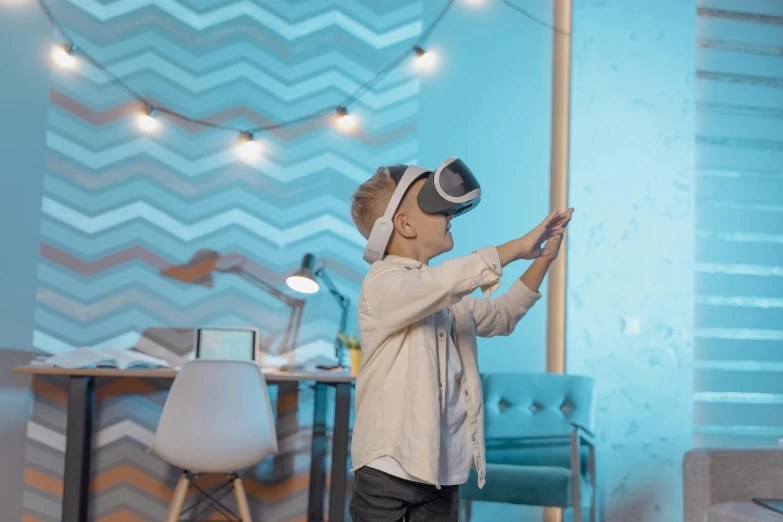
(712, 476)
(587, 437)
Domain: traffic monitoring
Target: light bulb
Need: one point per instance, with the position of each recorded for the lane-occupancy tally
(344, 121)
(424, 60)
(302, 284)
(249, 149)
(62, 55)
(147, 121)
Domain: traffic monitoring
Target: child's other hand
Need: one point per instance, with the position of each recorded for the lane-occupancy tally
(549, 231)
(552, 248)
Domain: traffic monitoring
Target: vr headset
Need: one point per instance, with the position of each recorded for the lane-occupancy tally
(451, 190)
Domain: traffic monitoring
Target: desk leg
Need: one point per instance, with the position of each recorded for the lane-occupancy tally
(78, 449)
(315, 505)
(342, 411)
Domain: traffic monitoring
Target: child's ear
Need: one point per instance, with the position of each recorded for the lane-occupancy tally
(403, 226)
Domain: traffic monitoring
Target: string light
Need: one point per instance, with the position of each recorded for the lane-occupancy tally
(424, 59)
(63, 56)
(249, 149)
(147, 121)
(345, 122)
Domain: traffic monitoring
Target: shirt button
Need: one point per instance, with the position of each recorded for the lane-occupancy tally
(466, 393)
(474, 438)
(440, 334)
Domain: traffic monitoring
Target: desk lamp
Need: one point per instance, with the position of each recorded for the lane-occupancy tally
(304, 281)
(204, 263)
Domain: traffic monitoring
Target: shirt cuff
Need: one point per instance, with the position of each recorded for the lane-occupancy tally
(491, 258)
(522, 296)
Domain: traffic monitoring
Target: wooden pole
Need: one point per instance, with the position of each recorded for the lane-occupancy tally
(558, 196)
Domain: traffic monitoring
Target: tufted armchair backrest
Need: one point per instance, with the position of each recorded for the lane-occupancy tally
(518, 407)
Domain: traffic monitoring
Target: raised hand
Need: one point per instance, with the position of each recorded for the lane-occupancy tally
(545, 239)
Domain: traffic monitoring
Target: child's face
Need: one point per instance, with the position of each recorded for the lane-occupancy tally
(432, 234)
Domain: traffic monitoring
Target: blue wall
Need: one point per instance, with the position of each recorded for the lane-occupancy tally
(24, 102)
(631, 243)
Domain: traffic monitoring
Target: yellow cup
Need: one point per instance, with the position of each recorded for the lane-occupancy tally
(356, 361)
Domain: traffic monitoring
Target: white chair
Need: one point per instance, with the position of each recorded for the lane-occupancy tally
(217, 419)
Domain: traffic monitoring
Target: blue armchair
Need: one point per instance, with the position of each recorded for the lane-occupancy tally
(539, 443)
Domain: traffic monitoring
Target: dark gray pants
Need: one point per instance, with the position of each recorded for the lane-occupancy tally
(380, 497)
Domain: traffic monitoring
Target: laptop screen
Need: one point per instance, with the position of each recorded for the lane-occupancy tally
(238, 344)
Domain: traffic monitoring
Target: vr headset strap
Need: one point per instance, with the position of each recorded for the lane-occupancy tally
(412, 173)
(383, 227)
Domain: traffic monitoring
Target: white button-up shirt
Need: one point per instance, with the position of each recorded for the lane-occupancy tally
(398, 396)
(456, 457)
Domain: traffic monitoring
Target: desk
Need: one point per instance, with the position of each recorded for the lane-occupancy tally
(78, 443)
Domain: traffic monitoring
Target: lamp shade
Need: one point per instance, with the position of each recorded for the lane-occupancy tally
(303, 281)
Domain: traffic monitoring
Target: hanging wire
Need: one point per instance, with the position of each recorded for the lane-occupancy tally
(203, 123)
(350, 100)
(426, 34)
(380, 75)
(535, 19)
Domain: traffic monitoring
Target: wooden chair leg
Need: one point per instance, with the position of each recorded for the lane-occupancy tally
(465, 510)
(175, 508)
(576, 476)
(553, 514)
(239, 493)
(594, 484)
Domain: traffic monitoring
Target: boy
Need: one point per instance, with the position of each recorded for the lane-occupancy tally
(419, 417)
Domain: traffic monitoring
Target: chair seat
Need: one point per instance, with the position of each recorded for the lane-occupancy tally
(527, 485)
(742, 512)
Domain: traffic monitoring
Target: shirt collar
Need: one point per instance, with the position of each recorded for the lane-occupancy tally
(404, 261)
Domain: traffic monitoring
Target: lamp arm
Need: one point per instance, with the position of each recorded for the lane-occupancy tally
(343, 301)
(345, 305)
(266, 287)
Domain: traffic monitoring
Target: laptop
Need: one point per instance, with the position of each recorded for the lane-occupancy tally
(235, 344)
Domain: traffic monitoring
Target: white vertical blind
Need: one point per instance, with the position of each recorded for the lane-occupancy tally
(738, 392)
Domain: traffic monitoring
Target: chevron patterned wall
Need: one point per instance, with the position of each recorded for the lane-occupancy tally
(120, 208)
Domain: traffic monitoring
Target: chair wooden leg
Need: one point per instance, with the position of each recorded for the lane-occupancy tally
(553, 514)
(467, 509)
(594, 484)
(239, 493)
(175, 508)
(576, 476)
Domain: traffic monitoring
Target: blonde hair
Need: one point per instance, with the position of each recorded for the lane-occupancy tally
(370, 199)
